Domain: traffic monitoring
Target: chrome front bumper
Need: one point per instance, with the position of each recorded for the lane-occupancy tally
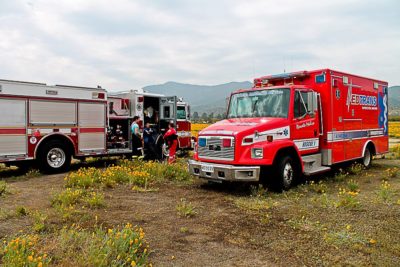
(221, 172)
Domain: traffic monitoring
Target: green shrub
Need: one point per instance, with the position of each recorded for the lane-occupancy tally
(21, 211)
(385, 192)
(185, 209)
(3, 188)
(319, 188)
(22, 251)
(347, 199)
(353, 186)
(39, 222)
(100, 247)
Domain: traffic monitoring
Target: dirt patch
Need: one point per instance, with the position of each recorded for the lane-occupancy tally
(295, 228)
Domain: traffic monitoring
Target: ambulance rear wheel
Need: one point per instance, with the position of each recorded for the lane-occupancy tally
(286, 174)
(367, 158)
(54, 157)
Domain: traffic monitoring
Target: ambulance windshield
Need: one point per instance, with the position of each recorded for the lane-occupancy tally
(266, 103)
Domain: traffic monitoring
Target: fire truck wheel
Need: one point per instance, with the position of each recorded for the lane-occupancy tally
(367, 159)
(54, 157)
(286, 173)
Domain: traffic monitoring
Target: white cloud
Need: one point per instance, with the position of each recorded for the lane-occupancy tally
(128, 44)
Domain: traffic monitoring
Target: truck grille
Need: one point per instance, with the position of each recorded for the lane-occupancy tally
(211, 147)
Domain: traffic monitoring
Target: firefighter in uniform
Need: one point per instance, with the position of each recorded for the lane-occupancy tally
(172, 140)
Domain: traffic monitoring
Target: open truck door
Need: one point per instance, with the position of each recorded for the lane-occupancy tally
(168, 106)
(168, 109)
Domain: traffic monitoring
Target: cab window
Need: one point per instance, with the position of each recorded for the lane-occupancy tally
(300, 107)
(181, 113)
(305, 102)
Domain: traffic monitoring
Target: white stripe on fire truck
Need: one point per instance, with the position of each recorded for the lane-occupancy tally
(48, 131)
(184, 134)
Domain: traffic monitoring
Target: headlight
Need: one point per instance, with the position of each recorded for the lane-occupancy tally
(257, 153)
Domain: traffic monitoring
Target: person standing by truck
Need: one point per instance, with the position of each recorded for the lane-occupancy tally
(148, 140)
(171, 138)
(136, 140)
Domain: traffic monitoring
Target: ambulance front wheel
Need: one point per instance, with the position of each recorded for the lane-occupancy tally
(286, 173)
(54, 157)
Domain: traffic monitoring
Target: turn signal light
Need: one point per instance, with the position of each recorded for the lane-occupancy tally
(270, 138)
(227, 142)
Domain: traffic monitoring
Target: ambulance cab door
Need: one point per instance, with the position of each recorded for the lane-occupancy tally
(305, 124)
(168, 110)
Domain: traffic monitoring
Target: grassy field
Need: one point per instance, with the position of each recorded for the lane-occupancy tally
(394, 129)
(143, 214)
(197, 127)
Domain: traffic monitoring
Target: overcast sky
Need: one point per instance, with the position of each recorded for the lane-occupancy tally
(126, 44)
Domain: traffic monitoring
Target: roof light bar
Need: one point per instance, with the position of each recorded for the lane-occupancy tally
(265, 80)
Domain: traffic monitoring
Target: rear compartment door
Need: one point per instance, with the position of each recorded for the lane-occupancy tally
(13, 138)
(92, 123)
(168, 108)
(337, 135)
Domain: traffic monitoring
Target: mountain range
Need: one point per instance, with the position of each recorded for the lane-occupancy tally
(202, 98)
(212, 98)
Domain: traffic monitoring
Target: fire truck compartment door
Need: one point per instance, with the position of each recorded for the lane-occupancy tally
(92, 121)
(52, 113)
(13, 140)
(168, 107)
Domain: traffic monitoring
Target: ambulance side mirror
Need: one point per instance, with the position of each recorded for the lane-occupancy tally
(312, 103)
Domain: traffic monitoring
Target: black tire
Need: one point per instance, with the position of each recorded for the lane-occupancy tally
(54, 157)
(160, 148)
(286, 174)
(367, 158)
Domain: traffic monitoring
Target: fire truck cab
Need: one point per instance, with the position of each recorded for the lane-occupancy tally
(295, 124)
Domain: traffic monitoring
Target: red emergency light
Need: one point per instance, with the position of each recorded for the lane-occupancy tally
(226, 142)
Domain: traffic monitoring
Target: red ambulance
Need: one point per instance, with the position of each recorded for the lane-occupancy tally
(292, 124)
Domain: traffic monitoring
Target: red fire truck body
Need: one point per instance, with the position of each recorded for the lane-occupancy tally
(298, 123)
(50, 124)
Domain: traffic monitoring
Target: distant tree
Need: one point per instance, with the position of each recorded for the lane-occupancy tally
(211, 116)
(204, 116)
(219, 116)
(195, 116)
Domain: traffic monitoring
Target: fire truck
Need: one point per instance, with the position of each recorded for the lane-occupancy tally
(295, 124)
(49, 125)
